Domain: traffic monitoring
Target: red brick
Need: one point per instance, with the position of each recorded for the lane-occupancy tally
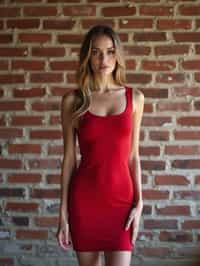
(32, 234)
(6, 38)
(149, 36)
(155, 252)
(11, 78)
(12, 192)
(83, 10)
(40, 11)
(136, 23)
(55, 149)
(46, 134)
(45, 106)
(158, 65)
(176, 210)
(188, 121)
(156, 10)
(174, 24)
(27, 120)
(160, 224)
(186, 91)
(34, 37)
(182, 150)
(147, 210)
(173, 180)
(12, 105)
(9, 52)
(10, 163)
(118, 11)
(186, 36)
(190, 224)
(175, 236)
(7, 133)
(159, 135)
(136, 50)
(3, 65)
(25, 178)
(139, 78)
(150, 150)
(46, 77)
(170, 78)
(156, 121)
(53, 179)
(152, 194)
(24, 148)
(28, 64)
(22, 206)
(70, 38)
(63, 65)
(186, 164)
(187, 135)
(155, 92)
(197, 105)
(170, 106)
(188, 252)
(197, 180)
(44, 164)
(7, 261)
(88, 23)
(191, 65)
(61, 24)
(187, 195)
(172, 49)
(29, 93)
(23, 23)
(48, 51)
(153, 165)
(46, 221)
(45, 193)
(197, 76)
(9, 12)
(189, 10)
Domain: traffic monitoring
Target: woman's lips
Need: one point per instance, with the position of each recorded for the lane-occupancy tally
(103, 67)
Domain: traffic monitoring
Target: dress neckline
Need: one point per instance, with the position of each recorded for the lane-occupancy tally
(113, 115)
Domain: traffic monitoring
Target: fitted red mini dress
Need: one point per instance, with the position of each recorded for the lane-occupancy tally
(101, 190)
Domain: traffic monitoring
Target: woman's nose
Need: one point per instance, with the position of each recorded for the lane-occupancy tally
(103, 56)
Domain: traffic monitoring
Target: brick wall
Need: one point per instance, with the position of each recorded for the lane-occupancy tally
(39, 41)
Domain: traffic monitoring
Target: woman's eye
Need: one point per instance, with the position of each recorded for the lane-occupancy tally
(94, 52)
(111, 52)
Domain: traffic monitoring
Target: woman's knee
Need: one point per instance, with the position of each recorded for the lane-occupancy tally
(117, 258)
(89, 258)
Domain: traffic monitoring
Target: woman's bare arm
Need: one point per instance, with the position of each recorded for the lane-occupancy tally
(134, 161)
(69, 153)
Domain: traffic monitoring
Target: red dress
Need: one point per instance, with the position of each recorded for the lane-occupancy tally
(101, 191)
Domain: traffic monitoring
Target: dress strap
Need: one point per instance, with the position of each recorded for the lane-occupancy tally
(130, 98)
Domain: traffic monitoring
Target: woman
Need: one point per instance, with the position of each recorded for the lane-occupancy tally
(101, 200)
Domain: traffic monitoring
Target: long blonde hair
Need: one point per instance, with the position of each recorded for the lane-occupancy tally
(84, 75)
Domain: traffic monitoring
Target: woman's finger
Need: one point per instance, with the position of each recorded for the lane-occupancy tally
(130, 218)
(135, 232)
(63, 240)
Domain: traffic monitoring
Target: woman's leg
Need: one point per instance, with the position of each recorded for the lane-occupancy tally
(117, 258)
(89, 258)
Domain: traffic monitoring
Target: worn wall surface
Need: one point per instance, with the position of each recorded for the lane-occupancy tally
(39, 44)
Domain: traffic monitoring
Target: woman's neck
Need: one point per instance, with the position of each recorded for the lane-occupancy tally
(105, 83)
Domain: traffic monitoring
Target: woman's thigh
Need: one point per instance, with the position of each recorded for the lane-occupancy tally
(92, 258)
(117, 258)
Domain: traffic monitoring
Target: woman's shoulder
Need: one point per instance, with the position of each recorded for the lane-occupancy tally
(137, 96)
(68, 98)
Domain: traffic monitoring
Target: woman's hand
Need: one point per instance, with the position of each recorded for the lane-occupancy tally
(134, 218)
(64, 237)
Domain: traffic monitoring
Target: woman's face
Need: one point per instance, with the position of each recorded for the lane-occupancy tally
(103, 56)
